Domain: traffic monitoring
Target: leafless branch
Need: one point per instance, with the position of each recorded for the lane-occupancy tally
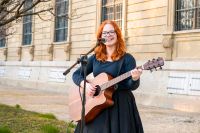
(6, 30)
(12, 11)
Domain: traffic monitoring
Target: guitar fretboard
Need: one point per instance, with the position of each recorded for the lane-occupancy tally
(117, 79)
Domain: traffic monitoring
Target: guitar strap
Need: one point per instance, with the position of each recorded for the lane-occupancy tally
(120, 66)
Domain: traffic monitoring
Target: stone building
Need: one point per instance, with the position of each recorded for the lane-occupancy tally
(40, 51)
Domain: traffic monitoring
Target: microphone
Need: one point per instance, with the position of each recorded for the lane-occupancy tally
(101, 40)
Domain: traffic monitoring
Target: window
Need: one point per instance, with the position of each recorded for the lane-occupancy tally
(61, 20)
(2, 41)
(27, 25)
(187, 15)
(3, 27)
(2, 36)
(112, 10)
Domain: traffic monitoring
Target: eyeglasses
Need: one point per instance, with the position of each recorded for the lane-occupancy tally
(111, 33)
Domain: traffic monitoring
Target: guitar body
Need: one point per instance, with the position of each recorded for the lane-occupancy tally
(94, 105)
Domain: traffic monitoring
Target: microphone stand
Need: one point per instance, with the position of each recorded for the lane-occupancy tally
(83, 60)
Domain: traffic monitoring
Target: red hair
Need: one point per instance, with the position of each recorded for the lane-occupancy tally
(120, 50)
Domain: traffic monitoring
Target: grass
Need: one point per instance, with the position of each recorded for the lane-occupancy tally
(17, 120)
(4, 130)
(49, 129)
(48, 115)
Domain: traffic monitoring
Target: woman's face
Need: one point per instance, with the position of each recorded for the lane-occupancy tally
(109, 34)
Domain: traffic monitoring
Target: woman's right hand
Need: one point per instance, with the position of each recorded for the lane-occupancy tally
(90, 88)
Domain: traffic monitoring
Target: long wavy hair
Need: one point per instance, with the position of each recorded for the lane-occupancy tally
(120, 50)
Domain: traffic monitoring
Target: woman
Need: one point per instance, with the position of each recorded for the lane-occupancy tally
(123, 116)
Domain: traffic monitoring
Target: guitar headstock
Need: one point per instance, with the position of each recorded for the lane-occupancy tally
(154, 64)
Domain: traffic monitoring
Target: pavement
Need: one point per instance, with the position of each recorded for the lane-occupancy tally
(154, 119)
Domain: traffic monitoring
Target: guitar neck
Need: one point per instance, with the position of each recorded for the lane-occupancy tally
(117, 79)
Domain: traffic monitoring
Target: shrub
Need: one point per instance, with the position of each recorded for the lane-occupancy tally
(17, 106)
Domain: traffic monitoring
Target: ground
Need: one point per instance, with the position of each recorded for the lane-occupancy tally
(154, 119)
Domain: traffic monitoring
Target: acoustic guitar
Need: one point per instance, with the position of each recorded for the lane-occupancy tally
(103, 95)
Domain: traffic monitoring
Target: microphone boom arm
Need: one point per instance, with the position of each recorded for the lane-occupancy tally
(102, 40)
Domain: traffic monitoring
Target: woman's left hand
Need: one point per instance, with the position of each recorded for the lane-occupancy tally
(135, 73)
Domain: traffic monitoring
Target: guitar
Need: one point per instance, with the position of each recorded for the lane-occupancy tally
(103, 95)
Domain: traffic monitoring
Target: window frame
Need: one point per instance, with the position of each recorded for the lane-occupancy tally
(194, 20)
(3, 37)
(27, 24)
(124, 17)
(114, 4)
(67, 32)
(2, 42)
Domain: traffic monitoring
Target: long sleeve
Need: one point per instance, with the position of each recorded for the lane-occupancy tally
(129, 64)
(78, 75)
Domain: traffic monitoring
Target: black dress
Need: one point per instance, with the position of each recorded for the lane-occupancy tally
(123, 116)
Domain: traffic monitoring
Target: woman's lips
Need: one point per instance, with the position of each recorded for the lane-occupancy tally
(109, 39)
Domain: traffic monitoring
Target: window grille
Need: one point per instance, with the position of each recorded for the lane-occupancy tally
(112, 10)
(27, 25)
(61, 20)
(187, 15)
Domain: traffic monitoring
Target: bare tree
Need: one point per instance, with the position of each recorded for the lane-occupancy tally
(13, 10)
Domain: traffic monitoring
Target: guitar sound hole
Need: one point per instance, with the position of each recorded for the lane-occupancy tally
(98, 89)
